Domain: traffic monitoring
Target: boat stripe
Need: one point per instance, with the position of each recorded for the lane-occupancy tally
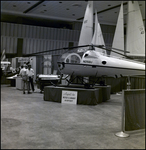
(104, 66)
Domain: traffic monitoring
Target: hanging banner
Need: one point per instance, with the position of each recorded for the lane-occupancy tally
(134, 109)
(69, 97)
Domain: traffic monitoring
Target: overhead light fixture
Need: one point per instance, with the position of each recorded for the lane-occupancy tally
(77, 5)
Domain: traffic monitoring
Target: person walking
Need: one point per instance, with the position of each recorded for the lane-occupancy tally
(24, 75)
(30, 73)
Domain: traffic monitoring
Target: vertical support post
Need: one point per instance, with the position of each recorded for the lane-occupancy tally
(128, 83)
(122, 134)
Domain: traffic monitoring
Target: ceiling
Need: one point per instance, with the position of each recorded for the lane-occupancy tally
(46, 12)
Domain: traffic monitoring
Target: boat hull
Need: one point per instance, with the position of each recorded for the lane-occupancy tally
(99, 70)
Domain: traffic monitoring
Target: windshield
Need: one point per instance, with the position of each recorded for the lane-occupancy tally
(70, 58)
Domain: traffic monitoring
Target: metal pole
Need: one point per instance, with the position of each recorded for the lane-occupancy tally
(122, 134)
(128, 83)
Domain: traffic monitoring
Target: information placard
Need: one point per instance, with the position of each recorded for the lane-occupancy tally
(69, 97)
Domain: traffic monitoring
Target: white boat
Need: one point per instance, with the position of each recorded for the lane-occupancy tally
(135, 32)
(95, 63)
(118, 40)
(98, 36)
(49, 77)
(135, 40)
(87, 27)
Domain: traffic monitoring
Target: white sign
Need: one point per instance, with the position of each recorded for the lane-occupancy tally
(69, 97)
(23, 59)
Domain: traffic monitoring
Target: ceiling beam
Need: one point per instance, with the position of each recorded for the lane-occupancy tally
(33, 6)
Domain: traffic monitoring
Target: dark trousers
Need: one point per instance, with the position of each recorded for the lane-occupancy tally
(25, 84)
(31, 82)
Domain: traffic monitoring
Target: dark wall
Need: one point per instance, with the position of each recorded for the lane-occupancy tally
(36, 21)
(19, 47)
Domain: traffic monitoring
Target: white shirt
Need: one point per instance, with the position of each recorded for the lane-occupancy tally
(30, 72)
(23, 72)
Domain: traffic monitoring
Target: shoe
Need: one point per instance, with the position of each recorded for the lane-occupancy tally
(29, 92)
(23, 92)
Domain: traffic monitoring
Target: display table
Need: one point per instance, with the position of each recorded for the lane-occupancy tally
(46, 80)
(12, 80)
(106, 90)
(19, 83)
(91, 96)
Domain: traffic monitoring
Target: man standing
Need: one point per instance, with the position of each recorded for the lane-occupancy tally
(23, 74)
(30, 73)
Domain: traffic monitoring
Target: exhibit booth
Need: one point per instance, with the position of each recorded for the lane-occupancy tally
(77, 94)
(19, 61)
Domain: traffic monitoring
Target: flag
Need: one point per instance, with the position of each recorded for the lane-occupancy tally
(3, 56)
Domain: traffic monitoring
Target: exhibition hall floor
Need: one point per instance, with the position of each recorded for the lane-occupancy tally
(29, 122)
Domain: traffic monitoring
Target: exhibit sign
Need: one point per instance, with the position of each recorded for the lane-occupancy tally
(69, 97)
(23, 59)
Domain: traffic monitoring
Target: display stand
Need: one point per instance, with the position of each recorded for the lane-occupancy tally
(19, 84)
(12, 82)
(91, 96)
